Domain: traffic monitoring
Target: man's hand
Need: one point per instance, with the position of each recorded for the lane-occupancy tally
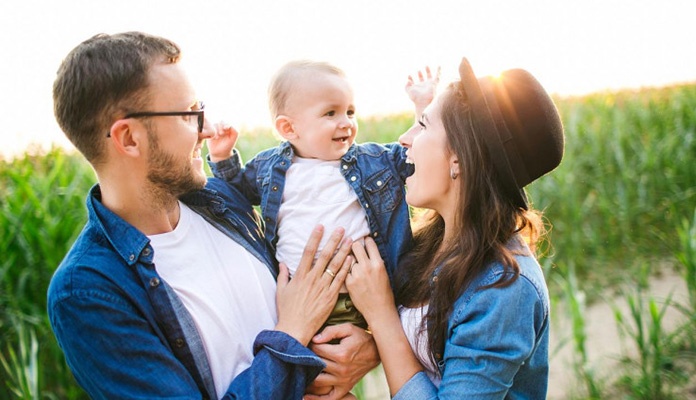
(346, 362)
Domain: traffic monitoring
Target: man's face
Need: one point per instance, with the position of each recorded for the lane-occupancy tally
(175, 165)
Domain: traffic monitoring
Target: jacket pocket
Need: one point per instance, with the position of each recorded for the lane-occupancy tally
(383, 191)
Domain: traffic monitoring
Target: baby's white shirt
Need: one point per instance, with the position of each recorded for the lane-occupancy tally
(316, 193)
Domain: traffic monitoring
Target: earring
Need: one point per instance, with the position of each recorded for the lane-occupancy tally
(453, 174)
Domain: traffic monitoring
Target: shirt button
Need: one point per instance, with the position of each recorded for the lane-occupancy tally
(179, 342)
(379, 183)
(435, 278)
(146, 252)
(345, 166)
(367, 205)
(375, 234)
(154, 282)
(131, 257)
(282, 163)
(268, 219)
(353, 179)
(274, 188)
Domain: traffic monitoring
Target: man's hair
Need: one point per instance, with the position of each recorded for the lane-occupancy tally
(101, 80)
(289, 75)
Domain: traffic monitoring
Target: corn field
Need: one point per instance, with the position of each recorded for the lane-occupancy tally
(621, 206)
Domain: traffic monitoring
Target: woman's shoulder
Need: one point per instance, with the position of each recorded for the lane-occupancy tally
(529, 287)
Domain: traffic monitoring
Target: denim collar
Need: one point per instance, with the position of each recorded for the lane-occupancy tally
(127, 240)
(285, 150)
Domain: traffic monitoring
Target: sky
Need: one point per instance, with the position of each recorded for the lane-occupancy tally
(232, 48)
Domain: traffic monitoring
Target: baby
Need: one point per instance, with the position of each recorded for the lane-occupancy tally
(319, 175)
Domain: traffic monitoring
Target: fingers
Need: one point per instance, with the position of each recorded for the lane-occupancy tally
(330, 333)
(343, 271)
(333, 257)
(372, 249)
(359, 252)
(309, 251)
(427, 76)
(367, 258)
(283, 276)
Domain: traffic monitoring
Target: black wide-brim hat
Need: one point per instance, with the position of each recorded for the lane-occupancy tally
(518, 122)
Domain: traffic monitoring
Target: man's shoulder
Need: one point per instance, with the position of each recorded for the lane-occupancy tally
(88, 265)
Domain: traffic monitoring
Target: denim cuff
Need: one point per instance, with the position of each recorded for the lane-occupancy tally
(287, 349)
(419, 387)
(227, 168)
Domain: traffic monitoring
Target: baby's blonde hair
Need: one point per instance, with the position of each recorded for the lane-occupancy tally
(288, 76)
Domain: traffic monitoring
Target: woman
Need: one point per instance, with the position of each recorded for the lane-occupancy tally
(474, 308)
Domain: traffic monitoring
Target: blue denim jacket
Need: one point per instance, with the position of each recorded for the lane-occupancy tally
(497, 345)
(126, 335)
(377, 174)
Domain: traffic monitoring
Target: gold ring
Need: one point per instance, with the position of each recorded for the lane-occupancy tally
(330, 272)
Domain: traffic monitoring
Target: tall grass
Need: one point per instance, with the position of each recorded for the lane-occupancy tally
(41, 212)
(624, 195)
(626, 181)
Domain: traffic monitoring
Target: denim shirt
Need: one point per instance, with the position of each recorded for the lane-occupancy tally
(377, 174)
(497, 344)
(124, 332)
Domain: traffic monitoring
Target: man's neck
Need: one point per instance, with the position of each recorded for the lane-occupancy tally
(148, 211)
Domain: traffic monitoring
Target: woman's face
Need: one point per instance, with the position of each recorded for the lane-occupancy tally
(430, 186)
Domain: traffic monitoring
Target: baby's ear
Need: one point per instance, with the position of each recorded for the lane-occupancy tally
(284, 127)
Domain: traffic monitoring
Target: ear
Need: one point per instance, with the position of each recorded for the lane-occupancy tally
(125, 139)
(285, 128)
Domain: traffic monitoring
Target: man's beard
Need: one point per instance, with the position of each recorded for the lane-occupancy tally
(169, 176)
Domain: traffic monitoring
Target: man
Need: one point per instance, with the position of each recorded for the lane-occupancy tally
(170, 282)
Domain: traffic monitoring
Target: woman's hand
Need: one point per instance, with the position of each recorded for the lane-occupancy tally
(305, 301)
(368, 285)
(368, 282)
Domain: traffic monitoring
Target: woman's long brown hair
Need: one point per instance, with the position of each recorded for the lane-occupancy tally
(485, 219)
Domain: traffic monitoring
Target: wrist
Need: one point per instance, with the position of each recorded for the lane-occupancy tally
(297, 333)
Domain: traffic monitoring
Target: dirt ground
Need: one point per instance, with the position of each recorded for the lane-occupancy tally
(603, 341)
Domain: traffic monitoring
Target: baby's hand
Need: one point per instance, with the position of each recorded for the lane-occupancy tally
(221, 144)
(422, 92)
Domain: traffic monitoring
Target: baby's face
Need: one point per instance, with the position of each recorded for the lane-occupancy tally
(323, 117)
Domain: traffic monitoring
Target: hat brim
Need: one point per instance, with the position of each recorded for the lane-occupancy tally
(488, 125)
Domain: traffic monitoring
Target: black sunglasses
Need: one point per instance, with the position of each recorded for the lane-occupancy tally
(200, 113)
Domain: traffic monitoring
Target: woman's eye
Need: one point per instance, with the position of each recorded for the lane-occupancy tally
(422, 125)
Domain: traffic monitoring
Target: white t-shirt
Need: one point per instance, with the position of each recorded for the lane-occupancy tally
(411, 321)
(229, 293)
(316, 193)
